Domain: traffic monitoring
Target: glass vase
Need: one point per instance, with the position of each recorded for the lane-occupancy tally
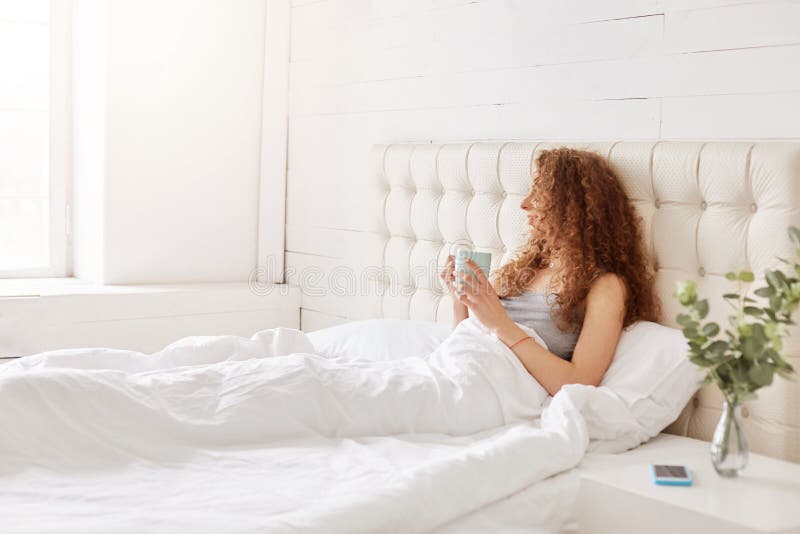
(729, 452)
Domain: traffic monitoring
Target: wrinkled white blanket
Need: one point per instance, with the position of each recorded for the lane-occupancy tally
(234, 435)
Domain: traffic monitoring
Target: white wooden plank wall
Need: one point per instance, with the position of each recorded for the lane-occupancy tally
(142, 318)
(377, 71)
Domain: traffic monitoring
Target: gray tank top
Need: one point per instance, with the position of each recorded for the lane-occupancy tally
(532, 309)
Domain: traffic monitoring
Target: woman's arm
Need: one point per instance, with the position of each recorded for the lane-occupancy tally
(602, 326)
(460, 311)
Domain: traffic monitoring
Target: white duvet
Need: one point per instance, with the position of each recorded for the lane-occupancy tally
(233, 435)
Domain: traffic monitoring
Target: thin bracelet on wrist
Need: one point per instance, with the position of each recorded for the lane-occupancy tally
(518, 342)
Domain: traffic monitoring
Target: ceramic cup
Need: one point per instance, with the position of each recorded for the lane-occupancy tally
(481, 259)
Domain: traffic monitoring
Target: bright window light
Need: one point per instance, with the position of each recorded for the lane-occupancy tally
(27, 232)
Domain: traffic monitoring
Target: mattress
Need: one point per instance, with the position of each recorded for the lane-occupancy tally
(209, 435)
(354, 484)
(234, 490)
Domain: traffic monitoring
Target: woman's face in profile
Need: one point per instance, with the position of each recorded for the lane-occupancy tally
(530, 206)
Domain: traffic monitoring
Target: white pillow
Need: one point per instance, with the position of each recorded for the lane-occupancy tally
(652, 375)
(379, 339)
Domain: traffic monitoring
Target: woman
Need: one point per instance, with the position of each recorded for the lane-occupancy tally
(584, 265)
(580, 279)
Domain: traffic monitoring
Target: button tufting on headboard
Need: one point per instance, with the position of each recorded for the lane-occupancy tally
(707, 208)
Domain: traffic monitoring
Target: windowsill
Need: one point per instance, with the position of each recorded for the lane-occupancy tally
(41, 287)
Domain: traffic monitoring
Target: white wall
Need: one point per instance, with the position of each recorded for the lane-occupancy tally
(59, 314)
(377, 71)
(171, 142)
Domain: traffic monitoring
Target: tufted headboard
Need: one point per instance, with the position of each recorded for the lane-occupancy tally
(708, 208)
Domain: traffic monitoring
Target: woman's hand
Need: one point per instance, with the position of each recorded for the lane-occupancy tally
(478, 294)
(447, 275)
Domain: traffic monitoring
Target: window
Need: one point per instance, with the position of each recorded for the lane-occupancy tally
(34, 126)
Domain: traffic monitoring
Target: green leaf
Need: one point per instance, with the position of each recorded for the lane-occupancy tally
(711, 329)
(686, 291)
(771, 329)
(794, 235)
(772, 354)
(759, 332)
(718, 347)
(731, 276)
(764, 291)
(761, 375)
(746, 276)
(752, 310)
(783, 283)
(794, 289)
(732, 296)
(691, 332)
(745, 330)
(751, 348)
(700, 361)
(780, 361)
(772, 279)
(739, 375)
(702, 308)
(683, 319)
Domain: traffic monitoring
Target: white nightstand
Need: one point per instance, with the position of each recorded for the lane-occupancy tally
(621, 499)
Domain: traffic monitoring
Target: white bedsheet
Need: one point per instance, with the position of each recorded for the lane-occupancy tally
(233, 435)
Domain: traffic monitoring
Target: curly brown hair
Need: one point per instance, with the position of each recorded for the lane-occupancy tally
(586, 221)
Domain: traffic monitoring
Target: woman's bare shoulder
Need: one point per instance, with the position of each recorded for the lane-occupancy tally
(608, 288)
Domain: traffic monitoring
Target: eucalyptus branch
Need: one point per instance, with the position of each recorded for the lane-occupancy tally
(746, 356)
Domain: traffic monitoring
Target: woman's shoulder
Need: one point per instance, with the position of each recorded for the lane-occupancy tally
(608, 286)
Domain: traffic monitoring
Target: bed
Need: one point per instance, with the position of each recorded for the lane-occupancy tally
(708, 208)
(149, 453)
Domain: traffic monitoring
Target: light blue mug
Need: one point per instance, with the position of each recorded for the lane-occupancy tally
(481, 259)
